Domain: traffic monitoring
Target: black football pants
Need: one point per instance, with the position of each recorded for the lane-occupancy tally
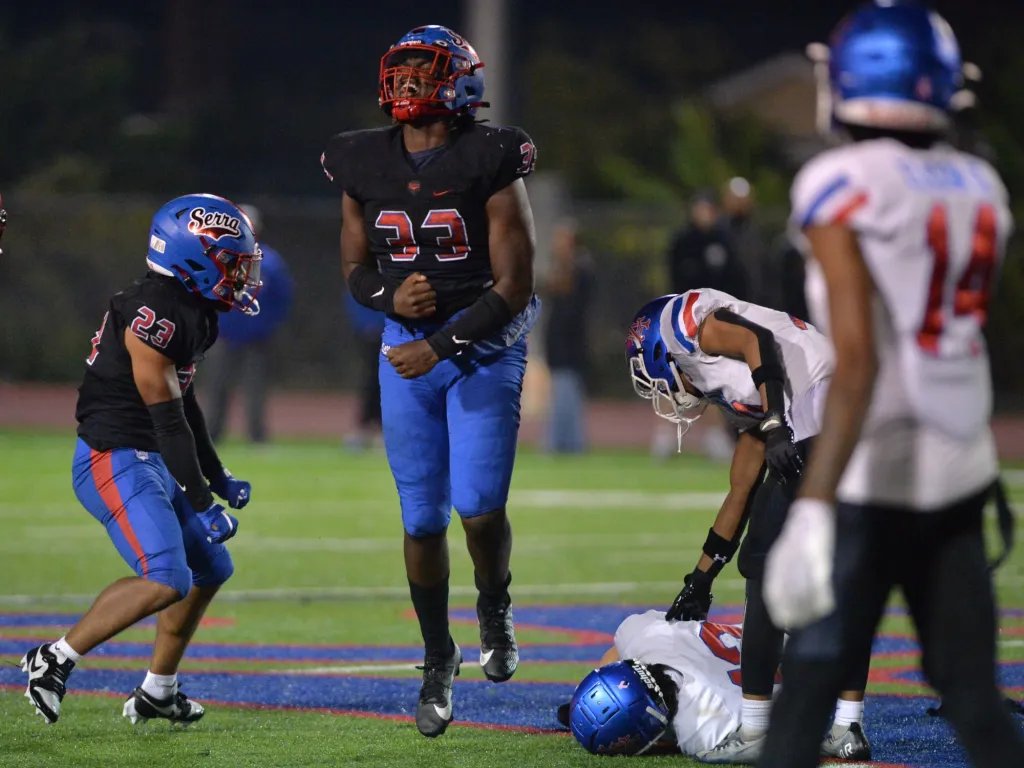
(937, 559)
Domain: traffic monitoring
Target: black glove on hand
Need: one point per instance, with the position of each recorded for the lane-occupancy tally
(694, 600)
(781, 453)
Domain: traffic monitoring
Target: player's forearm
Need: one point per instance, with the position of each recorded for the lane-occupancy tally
(209, 461)
(178, 449)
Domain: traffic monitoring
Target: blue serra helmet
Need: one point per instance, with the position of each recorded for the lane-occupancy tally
(894, 65)
(430, 72)
(620, 709)
(207, 243)
(653, 371)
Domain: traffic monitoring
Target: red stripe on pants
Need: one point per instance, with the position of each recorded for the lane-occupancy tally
(103, 477)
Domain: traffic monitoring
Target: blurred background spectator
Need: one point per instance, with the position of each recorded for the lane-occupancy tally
(243, 360)
(566, 291)
(702, 254)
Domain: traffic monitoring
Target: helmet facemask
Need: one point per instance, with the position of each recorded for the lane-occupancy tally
(240, 277)
(670, 400)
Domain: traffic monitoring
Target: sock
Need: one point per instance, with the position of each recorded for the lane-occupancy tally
(754, 716)
(160, 686)
(431, 604)
(64, 652)
(848, 712)
(494, 596)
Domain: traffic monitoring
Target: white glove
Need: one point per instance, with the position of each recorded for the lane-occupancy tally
(798, 569)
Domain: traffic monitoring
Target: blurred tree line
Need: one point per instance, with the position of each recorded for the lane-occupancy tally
(106, 107)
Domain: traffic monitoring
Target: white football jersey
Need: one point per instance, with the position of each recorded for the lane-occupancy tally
(806, 356)
(932, 226)
(704, 661)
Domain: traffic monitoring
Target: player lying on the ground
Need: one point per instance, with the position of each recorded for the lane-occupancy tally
(678, 688)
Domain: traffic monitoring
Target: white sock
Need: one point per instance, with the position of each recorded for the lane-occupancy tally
(848, 712)
(160, 686)
(63, 651)
(754, 716)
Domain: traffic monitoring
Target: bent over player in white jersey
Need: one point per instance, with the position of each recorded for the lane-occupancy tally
(905, 235)
(768, 373)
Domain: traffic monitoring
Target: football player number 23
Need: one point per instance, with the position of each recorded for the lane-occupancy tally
(451, 238)
(971, 294)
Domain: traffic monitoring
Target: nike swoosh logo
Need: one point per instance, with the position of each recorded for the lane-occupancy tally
(457, 340)
(442, 192)
(485, 657)
(445, 713)
(37, 666)
(378, 293)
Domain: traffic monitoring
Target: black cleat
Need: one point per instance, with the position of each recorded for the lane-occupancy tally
(47, 681)
(499, 653)
(179, 708)
(434, 711)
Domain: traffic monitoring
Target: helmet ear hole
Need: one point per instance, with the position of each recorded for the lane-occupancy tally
(659, 351)
(195, 265)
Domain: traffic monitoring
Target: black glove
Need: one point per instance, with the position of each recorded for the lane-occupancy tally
(779, 449)
(694, 600)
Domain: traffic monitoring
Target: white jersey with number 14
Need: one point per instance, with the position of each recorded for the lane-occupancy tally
(932, 226)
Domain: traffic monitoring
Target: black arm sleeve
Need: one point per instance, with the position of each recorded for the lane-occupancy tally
(370, 289)
(488, 314)
(209, 461)
(178, 448)
(771, 372)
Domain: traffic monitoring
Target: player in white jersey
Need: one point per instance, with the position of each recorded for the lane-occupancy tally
(904, 235)
(768, 373)
(677, 690)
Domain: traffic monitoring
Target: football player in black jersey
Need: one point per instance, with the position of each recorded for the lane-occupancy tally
(144, 465)
(437, 232)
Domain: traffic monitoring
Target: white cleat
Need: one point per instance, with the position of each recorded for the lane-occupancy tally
(179, 709)
(47, 681)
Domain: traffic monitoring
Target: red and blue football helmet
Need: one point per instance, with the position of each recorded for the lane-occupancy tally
(654, 373)
(894, 64)
(431, 72)
(620, 709)
(207, 243)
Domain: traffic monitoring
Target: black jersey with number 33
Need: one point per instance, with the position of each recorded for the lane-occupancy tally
(432, 220)
(164, 315)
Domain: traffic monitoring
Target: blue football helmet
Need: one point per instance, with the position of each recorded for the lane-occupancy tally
(895, 65)
(430, 72)
(655, 374)
(207, 243)
(619, 709)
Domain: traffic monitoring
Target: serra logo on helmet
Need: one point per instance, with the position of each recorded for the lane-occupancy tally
(214, 224)
(430, 73)
(208, 244)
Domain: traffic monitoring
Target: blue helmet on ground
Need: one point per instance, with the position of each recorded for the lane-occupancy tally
(620, 709)
(654, 373)
(894, 64)
(430, 72)
(207, 243)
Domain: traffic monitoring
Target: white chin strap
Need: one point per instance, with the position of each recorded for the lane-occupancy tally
(247, 303)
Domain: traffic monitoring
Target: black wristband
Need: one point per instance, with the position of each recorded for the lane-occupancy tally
(720, 550)
(369, 288)
(488, 314)
(178, 449)
(767, 372)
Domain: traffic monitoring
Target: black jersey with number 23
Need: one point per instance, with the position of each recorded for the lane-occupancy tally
(432, 220)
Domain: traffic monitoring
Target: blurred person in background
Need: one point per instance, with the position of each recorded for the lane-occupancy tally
(367, 327)
(739, 219)
(437, 232)
(567, 291)
(905, 236)
(145, 466)
(243, 361)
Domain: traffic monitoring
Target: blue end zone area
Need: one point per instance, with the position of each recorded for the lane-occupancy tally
(901, 731)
